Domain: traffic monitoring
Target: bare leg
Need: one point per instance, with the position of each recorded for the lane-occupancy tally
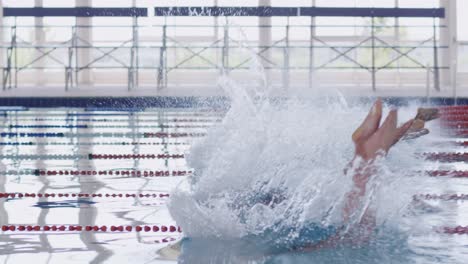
(371, 141)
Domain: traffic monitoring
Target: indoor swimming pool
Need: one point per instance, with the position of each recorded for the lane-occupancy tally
(92, 185)
(56, 162)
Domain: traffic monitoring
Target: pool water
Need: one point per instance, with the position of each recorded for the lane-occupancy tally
(113, 170)
(59, 142)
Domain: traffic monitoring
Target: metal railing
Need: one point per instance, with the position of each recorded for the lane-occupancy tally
(168, 50)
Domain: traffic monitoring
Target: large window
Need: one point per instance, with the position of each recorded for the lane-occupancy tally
(462, 20)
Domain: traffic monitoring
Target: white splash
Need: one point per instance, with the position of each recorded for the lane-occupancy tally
(296, 147)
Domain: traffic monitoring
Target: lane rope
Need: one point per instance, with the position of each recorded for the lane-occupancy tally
(83, 195)
(95, 228)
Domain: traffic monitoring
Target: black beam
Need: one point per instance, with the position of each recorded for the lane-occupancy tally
(179, 102)
(226, 11)
(300, 11)
(75, 12)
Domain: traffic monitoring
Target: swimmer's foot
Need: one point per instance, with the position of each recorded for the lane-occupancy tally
(416, 134)
(427, 114)
(417, 128)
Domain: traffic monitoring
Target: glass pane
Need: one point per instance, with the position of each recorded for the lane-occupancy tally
(462, 20)
(419, 3)
(57, 3)
(16, 3)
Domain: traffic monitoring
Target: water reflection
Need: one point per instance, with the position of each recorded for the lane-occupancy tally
(89, 184)
(45, 185)
(141, 247)
(3, 176)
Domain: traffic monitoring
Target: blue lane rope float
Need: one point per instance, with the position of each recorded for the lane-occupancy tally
(48, 126)
(93, 143)
(113, 109)
(104, 134)
(164, 120)
(44, 135)
(100, 114)
(135, 156)
(16, 143)
(105, 126)
(92, 156)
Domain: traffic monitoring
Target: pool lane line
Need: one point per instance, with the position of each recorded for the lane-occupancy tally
(126, 173)
(28, 134)
(80, 112)
(445, 156)
(93, 143)
(88, 228)
(92, 156)
(45, 126)
(16, 143)
(457, 230)
(440, 157)
(105, 126)
(105, 120)
(77, 112)
(450, 143)
(447, 173)
(135, 156)
(129, 173)
(104, 134)
(172, 135)
(174, 173)
(441, 197)
(20, 195)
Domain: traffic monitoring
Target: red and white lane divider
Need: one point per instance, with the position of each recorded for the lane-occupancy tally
(448, 173)
(128, 173)
(83, 195)
(103, 228)
(144, 174)
(458, 230)
(446, 157)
